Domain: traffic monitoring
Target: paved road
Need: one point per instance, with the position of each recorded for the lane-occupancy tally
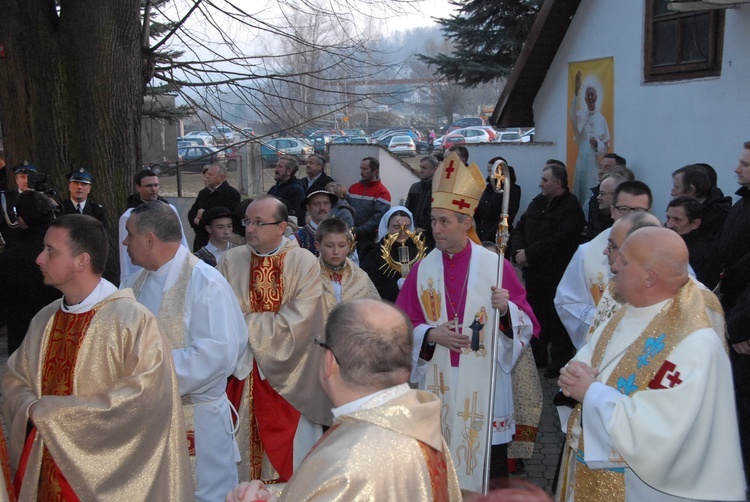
(540, 469)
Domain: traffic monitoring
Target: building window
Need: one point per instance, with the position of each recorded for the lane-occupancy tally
(681, 45)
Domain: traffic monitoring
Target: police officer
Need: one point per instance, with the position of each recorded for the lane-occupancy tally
(79, 186)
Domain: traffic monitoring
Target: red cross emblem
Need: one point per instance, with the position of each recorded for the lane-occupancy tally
(462, 204)
(666, 378)
(449, 170)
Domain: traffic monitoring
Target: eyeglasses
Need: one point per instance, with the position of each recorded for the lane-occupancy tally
(628, 209)
(245, 222)
(611, 246)
(605, 194)
(324, 345)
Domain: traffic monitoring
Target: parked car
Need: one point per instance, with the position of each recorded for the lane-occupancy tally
(473, 134)
(200, 134)
(350, 140)
(451, 140)
(422, 147)
(223, 134)
(195, 157)
(461, 123)
(202, 138)
(402, 145)
(354, 132)
(509, 137)
(269, 154)
(297, 147)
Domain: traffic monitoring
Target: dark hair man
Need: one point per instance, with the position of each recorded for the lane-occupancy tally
(370, 199)
(86, 383)
(544, 240)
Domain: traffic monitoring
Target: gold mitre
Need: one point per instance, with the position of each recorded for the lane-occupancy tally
(457, 187)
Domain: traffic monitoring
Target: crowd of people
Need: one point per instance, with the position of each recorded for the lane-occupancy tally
(262, 362)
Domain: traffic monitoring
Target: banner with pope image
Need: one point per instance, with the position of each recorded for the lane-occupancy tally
(590, 122)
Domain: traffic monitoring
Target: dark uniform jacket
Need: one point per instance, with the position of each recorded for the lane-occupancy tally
(91, 208)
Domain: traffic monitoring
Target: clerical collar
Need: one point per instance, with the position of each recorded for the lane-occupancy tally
(460, 253)
(271, 253)
(99, 293)
(372, 400)
(164, 269)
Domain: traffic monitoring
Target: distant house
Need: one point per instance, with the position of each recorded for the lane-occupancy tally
(681, 84)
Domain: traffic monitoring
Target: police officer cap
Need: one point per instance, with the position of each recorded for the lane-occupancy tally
(25, 168)
(81, 176)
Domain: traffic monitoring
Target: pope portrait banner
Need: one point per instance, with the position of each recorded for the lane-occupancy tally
(590, 121)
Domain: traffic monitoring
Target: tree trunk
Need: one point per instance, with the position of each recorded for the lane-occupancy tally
(71, 95)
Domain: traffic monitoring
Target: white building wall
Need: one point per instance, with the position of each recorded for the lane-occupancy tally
(659, 127)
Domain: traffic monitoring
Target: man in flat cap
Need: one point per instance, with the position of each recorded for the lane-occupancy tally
(79, 186)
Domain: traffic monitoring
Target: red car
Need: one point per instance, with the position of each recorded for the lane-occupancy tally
(453, 139)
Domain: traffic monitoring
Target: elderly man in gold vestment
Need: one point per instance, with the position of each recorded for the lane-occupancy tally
(386, 442)
(91, 396)
(656, 419)
(278, 398)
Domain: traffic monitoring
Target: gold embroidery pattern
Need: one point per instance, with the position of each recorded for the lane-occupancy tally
(682, 315)
(266, 282)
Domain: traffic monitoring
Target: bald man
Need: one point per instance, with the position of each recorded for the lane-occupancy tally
(655, 386)
(386, 442)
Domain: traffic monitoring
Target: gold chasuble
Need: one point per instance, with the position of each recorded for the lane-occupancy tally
(281, 297)
(68, 331)
(390, 448)
(351, 281)
(107, 418)
(643, 367)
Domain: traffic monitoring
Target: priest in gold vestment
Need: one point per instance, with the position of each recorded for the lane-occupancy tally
(279, 400)
(92, 401)
(386, 442)
(656, 419)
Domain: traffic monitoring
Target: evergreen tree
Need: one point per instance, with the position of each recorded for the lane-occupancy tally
(487, 36)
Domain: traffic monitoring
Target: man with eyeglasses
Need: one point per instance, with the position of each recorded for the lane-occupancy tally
(588, 272)
(146, 190)
(598, 218)
(280, 402)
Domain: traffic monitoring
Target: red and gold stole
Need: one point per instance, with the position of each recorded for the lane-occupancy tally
(273, 425)
(58, 372)
(438, 469)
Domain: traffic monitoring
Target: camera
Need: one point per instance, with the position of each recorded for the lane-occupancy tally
(39, 183)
